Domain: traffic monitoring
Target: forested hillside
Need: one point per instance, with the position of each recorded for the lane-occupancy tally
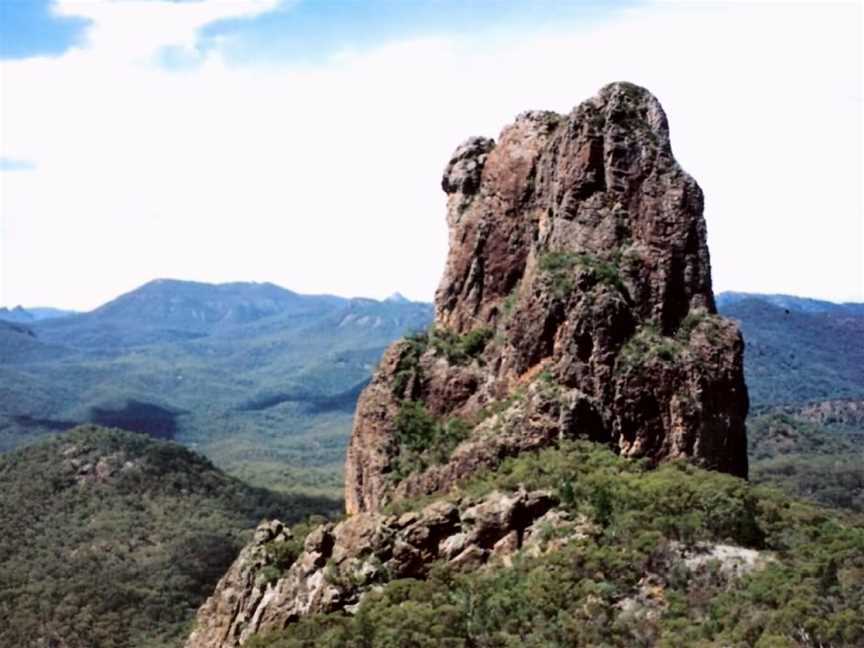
(673, 557)
(804, 364)
(798, 352)
(109, 538)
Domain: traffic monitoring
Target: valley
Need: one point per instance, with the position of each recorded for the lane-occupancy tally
(260, 379)
(556, 458)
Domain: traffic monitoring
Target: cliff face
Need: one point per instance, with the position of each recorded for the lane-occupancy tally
(577, 254)
(576, 303)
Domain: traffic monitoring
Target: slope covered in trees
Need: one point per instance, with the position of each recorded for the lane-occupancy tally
(674, 556)
(108, 538)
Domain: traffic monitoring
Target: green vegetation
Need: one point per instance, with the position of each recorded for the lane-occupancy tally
(261, 380)
(795, 356)
(824, 463)
(558, 268)
(509, 303)
(284, 553)
(458, 349)
(414, 345)
(647, 345)
(692, 320)
(111, 539)
(810, 585)
(423, 440)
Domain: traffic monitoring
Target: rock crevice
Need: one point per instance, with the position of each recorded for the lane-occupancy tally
(576, 302)
(579, 244)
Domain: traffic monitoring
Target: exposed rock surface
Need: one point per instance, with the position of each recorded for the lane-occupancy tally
(578, 243)
(339, 563)
(576, 302)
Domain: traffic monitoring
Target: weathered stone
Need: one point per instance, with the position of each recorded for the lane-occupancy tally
(578, 250)
(341, 562)
(580, 243)
(470, 558)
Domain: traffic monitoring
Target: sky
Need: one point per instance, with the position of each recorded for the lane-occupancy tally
(302, 142)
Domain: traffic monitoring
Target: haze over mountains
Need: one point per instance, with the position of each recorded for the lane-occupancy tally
(525, 472)
(23, 315)
(248, 373)
(265, 380)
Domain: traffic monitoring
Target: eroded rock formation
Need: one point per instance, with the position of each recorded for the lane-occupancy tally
(578, 249)
(339, 563)
(576, 303)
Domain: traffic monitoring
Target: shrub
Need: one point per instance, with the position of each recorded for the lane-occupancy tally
(408, 365)
(808, 593)
(460, 349)
(424, 440)
(558, 267)
(647, 345)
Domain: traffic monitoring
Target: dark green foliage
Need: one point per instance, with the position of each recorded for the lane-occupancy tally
(692, 320)
(812, 584)
(460, 349)
(795, 356)
(408, 367)
(474, 342)
(648, 345)
(108, 538)
(822, 462)
(558, 268)
(423, 439)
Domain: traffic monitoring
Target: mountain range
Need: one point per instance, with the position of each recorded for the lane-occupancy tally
(560, 459)
(23, 315)
(264, 380)
(257, 377)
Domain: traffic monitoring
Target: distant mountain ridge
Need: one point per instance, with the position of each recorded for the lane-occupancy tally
(170, 310)
(262, 378)
(798, 349)
(249, 373)
(791, 302)
(20, 314)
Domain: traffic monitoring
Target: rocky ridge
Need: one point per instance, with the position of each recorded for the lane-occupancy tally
(576, 303)
(578, 253)
(336, 564)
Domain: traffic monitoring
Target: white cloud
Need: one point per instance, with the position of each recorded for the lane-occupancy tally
(135, 29)
(326, 177)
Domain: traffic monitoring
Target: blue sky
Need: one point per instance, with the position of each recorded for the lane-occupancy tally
(306, 29)
(310, 29)
(28, 28)
(302, 143)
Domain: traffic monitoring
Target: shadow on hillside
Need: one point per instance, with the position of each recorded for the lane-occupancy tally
(345, 401)
(146, 418)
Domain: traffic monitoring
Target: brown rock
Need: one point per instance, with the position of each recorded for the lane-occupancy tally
(578, 259)
(579, 242)
(341, 562)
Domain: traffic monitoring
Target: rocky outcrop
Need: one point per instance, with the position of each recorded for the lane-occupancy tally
(227, 616)
(577, 253)
(576, 303)
(339, 563)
